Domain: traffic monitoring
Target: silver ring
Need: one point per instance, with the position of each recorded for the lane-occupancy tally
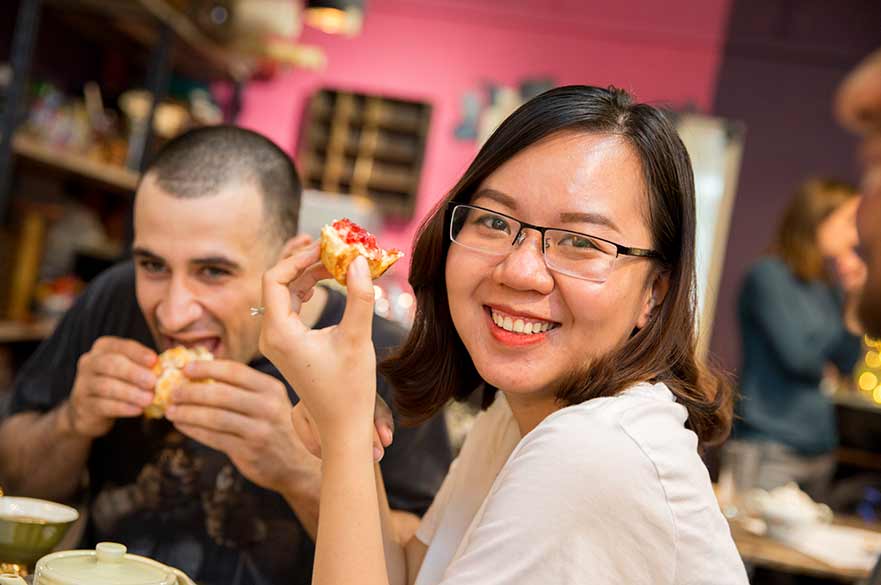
(257, 311)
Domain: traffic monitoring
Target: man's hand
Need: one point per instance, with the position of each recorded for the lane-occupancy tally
(113, 380)
(246, 415)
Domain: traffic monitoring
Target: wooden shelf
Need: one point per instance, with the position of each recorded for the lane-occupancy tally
(382, 178)
(117, 177)
(386, 120)
(196, 54)
(387, 150)
(18, 331)
(234, 64)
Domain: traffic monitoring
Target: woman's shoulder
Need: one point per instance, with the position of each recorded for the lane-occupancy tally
(638, 411)
(635, 453)
(641, 430)
(610, 430)
(640, 436)
(624, 469)
(581, 473)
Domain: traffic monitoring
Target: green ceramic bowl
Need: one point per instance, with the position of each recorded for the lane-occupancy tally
(30, 529)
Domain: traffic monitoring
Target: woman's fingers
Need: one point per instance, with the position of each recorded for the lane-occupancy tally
(305, 429)
(295, 244)
(308, 433)
(277, 280)
(378, 450)
(303, 286)
(357, 321)
(384, 421)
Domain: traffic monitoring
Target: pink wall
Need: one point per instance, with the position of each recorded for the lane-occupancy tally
(435, 50)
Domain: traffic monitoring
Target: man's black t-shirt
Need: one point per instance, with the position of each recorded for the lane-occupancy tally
(170, 498)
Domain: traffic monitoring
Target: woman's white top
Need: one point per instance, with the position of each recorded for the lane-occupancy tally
(608, 492)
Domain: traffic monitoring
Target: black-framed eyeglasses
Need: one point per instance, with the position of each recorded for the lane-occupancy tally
(567, 252)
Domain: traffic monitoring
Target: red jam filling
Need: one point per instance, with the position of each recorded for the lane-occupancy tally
(355, 234)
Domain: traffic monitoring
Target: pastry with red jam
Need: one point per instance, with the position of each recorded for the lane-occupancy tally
(344, 240)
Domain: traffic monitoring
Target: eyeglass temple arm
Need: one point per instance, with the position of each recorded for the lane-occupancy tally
(636, 252)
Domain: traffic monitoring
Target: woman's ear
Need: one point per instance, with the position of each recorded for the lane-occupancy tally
(654, 297)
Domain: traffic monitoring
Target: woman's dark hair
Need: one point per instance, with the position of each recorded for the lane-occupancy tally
(433, 366)
(796, 240)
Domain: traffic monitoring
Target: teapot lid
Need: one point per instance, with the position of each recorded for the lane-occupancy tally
(108, 564)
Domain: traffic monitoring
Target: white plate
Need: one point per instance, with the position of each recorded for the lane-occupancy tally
(33, 508)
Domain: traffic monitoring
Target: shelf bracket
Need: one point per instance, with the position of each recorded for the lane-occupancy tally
(27, 26)
(158, 78)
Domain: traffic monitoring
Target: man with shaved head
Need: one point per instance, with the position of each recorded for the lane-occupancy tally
(220, 488)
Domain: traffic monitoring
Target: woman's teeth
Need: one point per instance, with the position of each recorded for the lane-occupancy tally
(522, 326)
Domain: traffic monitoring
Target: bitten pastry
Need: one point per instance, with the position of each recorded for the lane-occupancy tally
(169, 375)
(344, 240)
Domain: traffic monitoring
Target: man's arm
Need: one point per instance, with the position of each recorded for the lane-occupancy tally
(41, 456)
(44, 455)
(245, 414)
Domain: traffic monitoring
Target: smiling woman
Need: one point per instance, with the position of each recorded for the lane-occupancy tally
(557, 277)
(584, 159)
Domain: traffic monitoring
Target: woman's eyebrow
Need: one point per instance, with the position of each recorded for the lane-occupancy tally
(497, 196)
(589, 217)
(566, 217)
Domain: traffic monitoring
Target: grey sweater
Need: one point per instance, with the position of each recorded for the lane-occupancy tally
(790, 329)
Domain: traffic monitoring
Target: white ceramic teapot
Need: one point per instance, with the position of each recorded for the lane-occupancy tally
(108, 564)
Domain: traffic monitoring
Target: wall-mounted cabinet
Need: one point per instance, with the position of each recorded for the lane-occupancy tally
(365, 145)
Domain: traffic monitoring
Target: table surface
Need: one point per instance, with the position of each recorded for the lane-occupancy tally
(764, 551)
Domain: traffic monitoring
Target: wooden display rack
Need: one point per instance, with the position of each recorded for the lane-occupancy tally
(365, 145)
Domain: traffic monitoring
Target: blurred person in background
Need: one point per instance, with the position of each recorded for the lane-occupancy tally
(859, 109)
(220, 488)
(798, 325)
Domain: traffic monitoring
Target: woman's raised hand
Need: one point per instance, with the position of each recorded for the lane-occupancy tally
(333, 370)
